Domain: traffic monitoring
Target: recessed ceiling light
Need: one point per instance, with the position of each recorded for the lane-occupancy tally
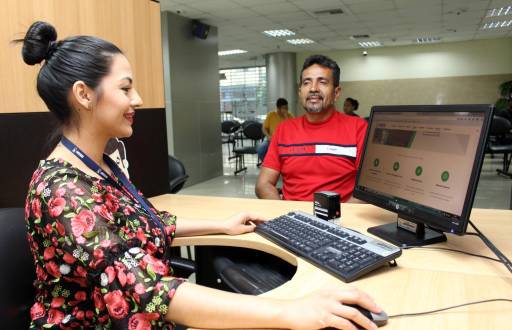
(231, 52)
(300, 41)
(497, 25)
(503, 11)
(279, 33)
(427, 40)
(368, 44)
(359, 36)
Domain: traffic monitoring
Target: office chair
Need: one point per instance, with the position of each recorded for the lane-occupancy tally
(177, 175)
(229, 129)
(500, 142)
(252, 130)
(17, 271)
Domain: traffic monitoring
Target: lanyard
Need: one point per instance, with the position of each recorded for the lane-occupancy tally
(123, 183)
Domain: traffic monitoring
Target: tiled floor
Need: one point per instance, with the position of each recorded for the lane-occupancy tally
(493, 191)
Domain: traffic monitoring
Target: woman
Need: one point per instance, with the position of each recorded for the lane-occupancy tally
(101, 250)
(349, 106)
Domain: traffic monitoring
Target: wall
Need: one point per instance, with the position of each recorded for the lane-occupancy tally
(446, 73)
(192, 91)
(133, 25)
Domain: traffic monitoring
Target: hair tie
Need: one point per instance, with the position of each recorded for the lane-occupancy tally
(52, 47)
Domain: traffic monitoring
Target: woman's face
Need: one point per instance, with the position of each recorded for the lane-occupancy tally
(114, 112)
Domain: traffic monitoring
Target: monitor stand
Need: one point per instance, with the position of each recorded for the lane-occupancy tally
(407, 233)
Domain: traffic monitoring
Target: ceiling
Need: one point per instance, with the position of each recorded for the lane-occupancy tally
(392, 22)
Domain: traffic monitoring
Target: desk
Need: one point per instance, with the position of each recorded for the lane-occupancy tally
(423, 280)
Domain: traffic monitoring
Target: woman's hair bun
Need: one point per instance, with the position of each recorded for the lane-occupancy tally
(37, 42)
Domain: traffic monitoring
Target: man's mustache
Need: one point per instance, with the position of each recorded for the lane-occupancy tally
(315, 95)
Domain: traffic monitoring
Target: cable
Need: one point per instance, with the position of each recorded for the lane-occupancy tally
(450, 307)
(493, 248)
(452, 250)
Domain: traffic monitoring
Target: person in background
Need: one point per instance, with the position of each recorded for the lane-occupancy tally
(349, 106)
(270, 124)
(101, 250)
(320, 150)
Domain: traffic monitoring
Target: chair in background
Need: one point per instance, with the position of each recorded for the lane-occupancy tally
(229, 129)
(252, 131)
(177, 175)
(500, 142)
(17, 271)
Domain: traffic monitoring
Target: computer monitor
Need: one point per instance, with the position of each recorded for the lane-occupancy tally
(423, 163)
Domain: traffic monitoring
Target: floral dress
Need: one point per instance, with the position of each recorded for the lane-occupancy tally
(100, 260)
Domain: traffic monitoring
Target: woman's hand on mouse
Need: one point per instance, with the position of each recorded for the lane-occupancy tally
(325, 309)
(241, 223)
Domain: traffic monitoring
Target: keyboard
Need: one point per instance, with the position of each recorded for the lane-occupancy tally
(343, 252)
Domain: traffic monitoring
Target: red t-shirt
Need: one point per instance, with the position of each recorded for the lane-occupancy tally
(317, 156)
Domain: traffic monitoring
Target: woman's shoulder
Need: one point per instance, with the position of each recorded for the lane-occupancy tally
(51, 171)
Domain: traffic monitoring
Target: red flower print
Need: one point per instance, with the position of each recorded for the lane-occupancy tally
(56, 206)
(68, 258)
(79, 191)
(82, 223)
(171, 293)
(112, 202)
(89, 314)
(156, 264)
(81, 296)
(74, 203)
(57, 302)
(80, 272)
(151, 248)
(52, 269)
(37, 311)
(104, 212)
(116, 304)
(49, 253)
(55, 316)
(139, 288)
(60, 228)
(97, 198)
(105, 243)
(80, 315)
(40, 188)
(41, 275)
(98, 254)
(141, 321)
(141, 236)
(130, 279)
(71, 185)
(111, 272)
(36, 208)
(60, 192)
(98, 299)
(128, 209)
(27, 209)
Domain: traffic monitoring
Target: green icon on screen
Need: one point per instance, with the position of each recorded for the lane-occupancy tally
(396, 166)
(376, 162)
(445, 176)
(419, 170)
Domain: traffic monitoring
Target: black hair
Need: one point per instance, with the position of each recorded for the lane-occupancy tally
(67, 61)
(281, 102)
(354, 102)
(325, 62)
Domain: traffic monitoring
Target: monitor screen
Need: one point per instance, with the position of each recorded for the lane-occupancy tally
(423, 162)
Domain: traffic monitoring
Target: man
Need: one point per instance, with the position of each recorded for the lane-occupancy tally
(320, 150)
(272, 120)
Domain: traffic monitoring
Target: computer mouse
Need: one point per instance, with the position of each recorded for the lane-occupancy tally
(379, 319)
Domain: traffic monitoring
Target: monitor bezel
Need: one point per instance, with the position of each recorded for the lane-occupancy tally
(438, 222)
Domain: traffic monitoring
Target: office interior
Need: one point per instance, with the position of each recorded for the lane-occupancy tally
(180, 77)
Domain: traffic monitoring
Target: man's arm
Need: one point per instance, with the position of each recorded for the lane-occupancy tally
(266, 184)
(266, 132)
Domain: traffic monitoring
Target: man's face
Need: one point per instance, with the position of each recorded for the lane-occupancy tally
(282, 110)
(317, 92)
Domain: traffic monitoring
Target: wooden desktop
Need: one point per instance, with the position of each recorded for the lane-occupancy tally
(424, 280)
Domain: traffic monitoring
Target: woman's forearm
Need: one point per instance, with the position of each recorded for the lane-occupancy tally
(202, 307)
(199, 227)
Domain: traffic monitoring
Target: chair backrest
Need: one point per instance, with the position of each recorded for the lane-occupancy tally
(177, 175)
(499, 126)
(229, 126)
(253, 131)
(17, 272)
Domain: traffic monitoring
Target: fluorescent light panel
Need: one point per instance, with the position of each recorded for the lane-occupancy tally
(369, 44)
(300, 41)
(232, 52)
(426, 40)
(503, 11)
(497, 25)
(279, 33)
